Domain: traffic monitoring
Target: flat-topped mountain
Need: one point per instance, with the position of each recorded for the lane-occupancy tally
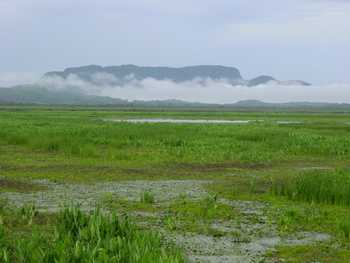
(123, 73)
(54, 89)
(119, 75)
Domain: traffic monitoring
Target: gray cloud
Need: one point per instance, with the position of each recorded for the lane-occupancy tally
(289, 39)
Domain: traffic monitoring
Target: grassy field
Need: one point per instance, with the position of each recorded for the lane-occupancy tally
(295, 177)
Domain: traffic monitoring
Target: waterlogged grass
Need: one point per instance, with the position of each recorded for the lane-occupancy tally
(292, 217)
(206, 209)
(260, 161)
(49, 143)
(182, 214)
(241, 186)
(311, 253)
(113, 203)
(80, 237)
(317, 201)
(197, 216)
(147, 197)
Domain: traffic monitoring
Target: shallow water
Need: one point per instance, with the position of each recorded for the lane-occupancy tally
(197, 121)
(188, 121)
(289, 122)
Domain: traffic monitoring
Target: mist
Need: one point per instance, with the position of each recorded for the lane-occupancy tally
(8, 79)
(199, 90)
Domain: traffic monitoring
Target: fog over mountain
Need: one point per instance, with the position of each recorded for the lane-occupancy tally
(37, 95)
(122, 85)
(121, 75)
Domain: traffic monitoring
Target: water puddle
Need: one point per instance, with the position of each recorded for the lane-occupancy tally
(289, 122)
(198, 121)
(184, 121)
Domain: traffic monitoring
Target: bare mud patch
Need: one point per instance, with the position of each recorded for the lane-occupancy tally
(201, 248)
(315, 168)
(88, 196)
(11, 185)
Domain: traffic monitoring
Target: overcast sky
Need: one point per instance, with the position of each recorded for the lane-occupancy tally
(289, 39)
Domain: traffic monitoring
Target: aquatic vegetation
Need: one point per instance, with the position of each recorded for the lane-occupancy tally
(328, 187)
(81, 237)
(147, 197)
(256, 174)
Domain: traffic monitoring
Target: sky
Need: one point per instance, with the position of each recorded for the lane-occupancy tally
(288, 39)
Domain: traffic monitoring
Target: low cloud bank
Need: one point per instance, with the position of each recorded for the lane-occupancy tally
(221, 92)
(198, 90)
(201, 90)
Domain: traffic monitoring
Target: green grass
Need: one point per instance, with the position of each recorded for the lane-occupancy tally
(260, 161)
(313, 201)
(311, 253)
(147, 197)
(197, 216)
(206, 209)
(123, 205)
(292, 217)
(182, 214)
(59, 144)
(328, 187)
(81, 237)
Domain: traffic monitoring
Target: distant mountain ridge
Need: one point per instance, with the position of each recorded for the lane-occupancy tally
(37, 95)
(32, 94)
(120, 75)
(54, 91)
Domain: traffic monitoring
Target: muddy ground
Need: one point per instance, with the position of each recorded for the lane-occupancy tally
(245, 240)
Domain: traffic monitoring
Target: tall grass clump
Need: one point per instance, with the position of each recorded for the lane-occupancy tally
(343, 227)
(96, 237)
(147, 197)
(327, 187)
